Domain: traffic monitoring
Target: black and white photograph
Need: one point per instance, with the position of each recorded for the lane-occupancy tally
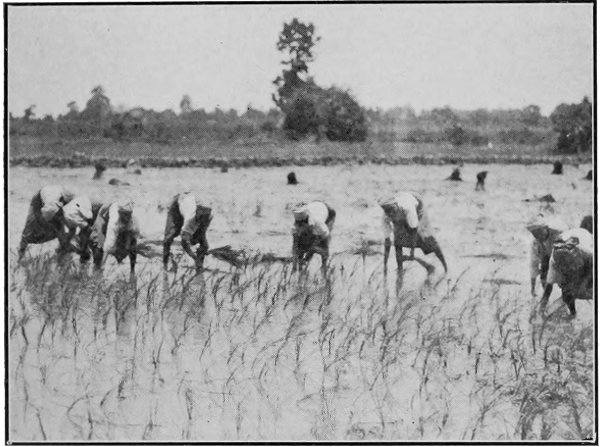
(300, 222)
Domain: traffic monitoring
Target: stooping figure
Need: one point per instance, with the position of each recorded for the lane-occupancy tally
(313, 223)
(405, 219)
(81, 243)
(571, 268)
(545, 232)
(557, 168)
(480, 185)
(115, 232)
(55, 213)
(188, 217)
(99, 169)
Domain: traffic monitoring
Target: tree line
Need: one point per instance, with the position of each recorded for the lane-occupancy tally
(304, 109)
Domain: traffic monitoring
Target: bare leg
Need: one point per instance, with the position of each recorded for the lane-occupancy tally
(305, 261)
(200, 255)
(429, 267)
(386, 254)
(545, 297)
(22, 247)
(325, 259)
(569, 300)
(98, 256)
(166, 252)
(544, 270)
(132, 260)
(295, 254)
(440, 256)
(400, 273)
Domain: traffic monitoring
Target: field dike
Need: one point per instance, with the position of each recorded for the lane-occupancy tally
(81, 160)
(255, 354)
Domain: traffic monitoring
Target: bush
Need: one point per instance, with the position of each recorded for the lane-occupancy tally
(332, 112)
(520, 136)
(302, 114)
(573, 122)
(345, 118)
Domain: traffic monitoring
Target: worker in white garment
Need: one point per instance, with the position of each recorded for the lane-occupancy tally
(55, 212)
(405, 219)
(311, 233)
(545, 231)
(571, 267)
(115, 232)
(188, 217)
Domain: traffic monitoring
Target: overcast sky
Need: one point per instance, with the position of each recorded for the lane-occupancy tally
(465, 56)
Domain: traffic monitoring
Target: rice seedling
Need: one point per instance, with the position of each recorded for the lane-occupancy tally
(268, 355)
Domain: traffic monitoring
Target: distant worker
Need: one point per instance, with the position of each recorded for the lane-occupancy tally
(187, 216)
(117, 182)
(291, 178)
(572, 268)
(133, 166)
(545, 232)
(455, 176)
(99, 170)
(311, 234)
(55, 212)
(480, 185)
(557, 168)
(115, 232)
(405, 219)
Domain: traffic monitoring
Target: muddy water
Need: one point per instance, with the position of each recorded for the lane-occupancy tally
(258, 355)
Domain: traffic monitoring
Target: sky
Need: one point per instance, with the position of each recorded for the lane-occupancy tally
(466, 56)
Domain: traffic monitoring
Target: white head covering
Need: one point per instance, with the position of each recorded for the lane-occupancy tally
(316, 212)
(78, 212)
(300, 211)
(554, 225)
(51, 196)
(386, 201)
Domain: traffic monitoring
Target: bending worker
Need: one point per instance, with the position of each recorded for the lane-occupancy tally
(405, 219)
(313, 223)
(55, 212)
(115, 232)
(188, 217)
(545, 232)
(572, 268)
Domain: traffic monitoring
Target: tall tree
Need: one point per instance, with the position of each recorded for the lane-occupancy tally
(297, 39)
(309, 108)
(97, 109)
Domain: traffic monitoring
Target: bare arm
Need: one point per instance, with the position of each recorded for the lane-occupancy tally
(295, 254)
(413, 244)
(388, 230)
(185, 244)
(202, 250)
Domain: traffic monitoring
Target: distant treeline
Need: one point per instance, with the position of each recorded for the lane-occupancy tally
(567, 130)
(477, 128)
